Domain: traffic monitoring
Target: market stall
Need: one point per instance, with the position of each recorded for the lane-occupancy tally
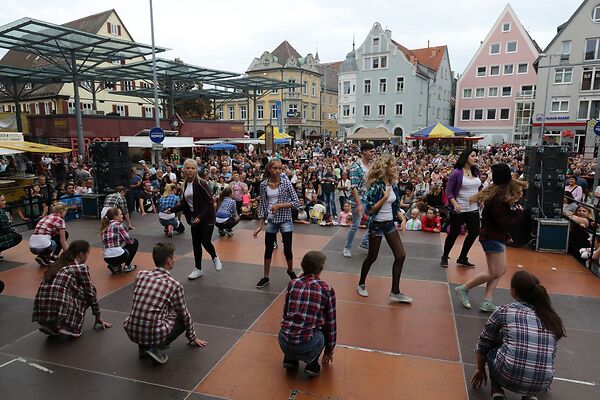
(444, 139)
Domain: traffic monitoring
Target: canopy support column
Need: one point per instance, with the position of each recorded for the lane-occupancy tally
(93, 88)
(78, 119)
(255, 108)
(17, 99)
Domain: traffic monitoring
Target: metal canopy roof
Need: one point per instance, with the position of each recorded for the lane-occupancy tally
(246, 83)
(41, 75)
(215, 94)
(173, 70)
(63, 43)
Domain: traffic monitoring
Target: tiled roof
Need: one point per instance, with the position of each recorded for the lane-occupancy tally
(284, 51)
(91, 23)
(431, 57)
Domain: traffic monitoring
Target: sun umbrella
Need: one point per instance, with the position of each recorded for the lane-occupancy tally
(276, 135)
(222, 146)
(439, 131)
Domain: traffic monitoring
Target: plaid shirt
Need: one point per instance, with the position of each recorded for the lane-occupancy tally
(287, 194)
(171, 201)
(50, 225)
(6, 237)
(525, 359)
(309, 306)
(357, 179)
(374, 194)
(63, 300)
(115, 235)
(158, 300)
(116, 200)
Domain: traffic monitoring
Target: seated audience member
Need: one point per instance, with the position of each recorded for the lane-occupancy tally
(309, 318)
(431, 222)
(8, 236)
(159, 313)
(300, 216)
(66, 293)
(328, 220)
(569, 205)
(579, 237)
(314, 201)
(50, 236)
(147, 200)
(72, 201)
(33, 206)
(519, 342)
(345, 217)
(119, 247)
(414, 223)
(407, 199)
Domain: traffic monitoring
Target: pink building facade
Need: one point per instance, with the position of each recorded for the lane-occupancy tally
(496, 93)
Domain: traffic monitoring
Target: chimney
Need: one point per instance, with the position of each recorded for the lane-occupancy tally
(388, 34)
(428, 44)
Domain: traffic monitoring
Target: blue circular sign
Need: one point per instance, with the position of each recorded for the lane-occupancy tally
(157, 135)
(597, 128)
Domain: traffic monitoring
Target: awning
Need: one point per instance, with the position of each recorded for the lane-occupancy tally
(169, 142)
(372, 134)
(33, 147)
(439, 131)
(276, 135)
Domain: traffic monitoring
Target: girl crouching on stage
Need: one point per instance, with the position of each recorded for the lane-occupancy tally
(227, 215)
(119, 247)
(166, 217)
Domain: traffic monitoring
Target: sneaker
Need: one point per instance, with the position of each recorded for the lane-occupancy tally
(221, 232)
(292, 275)
(400, 298)
(41, 261)
(53, 258)
(465, 262)
(584, 255)
(362, 290)
(229, 233)
(290, 364)
(262, 283)
(487, 306)
(114, 269)
(463, 295)
(346, 253)
(129, 268)
(45, 329)
(156, 355)
(170, 231)
(217, 264)
(67, 332)
(275, 245)
(313, 368)
(196, 273)
(363, 246)
(444, 262)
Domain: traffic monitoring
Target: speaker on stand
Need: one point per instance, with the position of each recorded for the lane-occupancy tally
(110, 161)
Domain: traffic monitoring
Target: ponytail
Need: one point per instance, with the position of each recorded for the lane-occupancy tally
(111, 213)
(67, 257)
(529, 290)
(224, 193)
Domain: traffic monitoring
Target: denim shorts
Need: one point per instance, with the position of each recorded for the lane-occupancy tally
(283, 227)
(381, 229)
(492, 246)
(306, 352)
(48, 250)
(174, 222)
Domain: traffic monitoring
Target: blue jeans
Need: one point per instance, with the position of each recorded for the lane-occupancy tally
(329, 200)
(354, 227)
(307, 352)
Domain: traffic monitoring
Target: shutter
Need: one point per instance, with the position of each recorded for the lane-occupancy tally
(108, 26)
(65, 106)
(127, 111)
(143, 114)
(122, 61)
(42, 108)
(133, 84)
(114, 106)
(119, 29)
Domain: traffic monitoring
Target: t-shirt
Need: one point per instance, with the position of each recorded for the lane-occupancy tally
(272, 196)
(469, 188)
(385, 212)
(413, 225)
(328, 183)
(189, 195)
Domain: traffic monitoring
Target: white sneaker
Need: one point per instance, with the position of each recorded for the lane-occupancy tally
(196, 273)
(362, 290)
(217, 264)
(400, 298)
(347, 253)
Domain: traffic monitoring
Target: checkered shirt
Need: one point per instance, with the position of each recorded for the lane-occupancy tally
(50, 225)
(309, 306)
(116, 200)
(158, 300)
(6, 236)
(526, 350)
(63, 300)
(357, 179)
(171, 201)
(115, 235)
(228, 206)
(287, 194)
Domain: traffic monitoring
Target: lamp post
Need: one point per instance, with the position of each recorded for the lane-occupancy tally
(541, 136)
(155, 80)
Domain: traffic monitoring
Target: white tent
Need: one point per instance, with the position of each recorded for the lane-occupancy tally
(169, 142)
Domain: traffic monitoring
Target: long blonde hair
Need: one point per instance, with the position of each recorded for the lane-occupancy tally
(511, 192)
(168, 189)
(379, 169)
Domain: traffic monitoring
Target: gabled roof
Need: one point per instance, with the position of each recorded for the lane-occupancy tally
(334, 65)
(407, 53)
(284, 51)
(431, 57)
(564, 25)
(91, 23)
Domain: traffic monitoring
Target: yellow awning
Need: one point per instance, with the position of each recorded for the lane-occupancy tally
(33, 147)
(276, 135)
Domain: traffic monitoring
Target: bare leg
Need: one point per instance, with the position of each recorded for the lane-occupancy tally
(496, 268)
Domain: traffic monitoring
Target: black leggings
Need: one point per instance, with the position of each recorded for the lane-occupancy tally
(126, 257)
(201, 237)
(397, 247)
(471, 219)
(270, 239)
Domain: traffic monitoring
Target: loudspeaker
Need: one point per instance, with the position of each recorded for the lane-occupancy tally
(545, 198)
(521, 232)
(545, 171)
(552, 235)
(110, 161)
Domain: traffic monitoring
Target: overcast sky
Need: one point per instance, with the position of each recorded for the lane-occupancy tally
(229, 34)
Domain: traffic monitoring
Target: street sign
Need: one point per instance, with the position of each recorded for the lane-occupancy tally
(157, 135)
(157, 146)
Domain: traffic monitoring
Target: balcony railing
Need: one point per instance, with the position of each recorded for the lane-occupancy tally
(292, 95)
(525, 95)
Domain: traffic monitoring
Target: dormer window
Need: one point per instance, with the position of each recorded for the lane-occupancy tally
(376, 44)
(506, 27)
(596, 14)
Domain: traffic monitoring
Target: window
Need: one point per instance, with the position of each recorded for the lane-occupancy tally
(305, 88)
(128, 85)
(491, 113)
(383, 62)
(382, 110)
(367, 110)
(293, 108)
(506, 27)
(495, 48)
(346, 87)
(493, 92)
(314, 89)
(481, 71)
(376, 44)
(305, 111)
(465, 115)
(375, 64)
(292, 89)
(565, 51)
(71, 108)
(399, 109)
(313, 113)
(589, 109)
(260, 111)
(243, 112)
(506, 91)
(148, 112)
(494, 70)
(273, 111)
(591, 78)
(367, 63)
(511, 47)
(477, 115)
(467, 93)
(479, 93)
(115, 29)
(259, 92)
(231, 112)
(522, 68)
(560, 105)
(120, 110)
(505, 113)
(592, 49)
(382, 85)
(346, 111)
(367, 86)
(400, 84)
(596, 14)
(220, 113)
(563, 75)
(508, 69)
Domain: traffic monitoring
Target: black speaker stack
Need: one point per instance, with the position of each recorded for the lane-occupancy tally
(110, 161)
(545, 171)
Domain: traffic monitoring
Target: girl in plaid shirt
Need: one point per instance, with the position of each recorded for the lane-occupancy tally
(114, 236)
(50, 236)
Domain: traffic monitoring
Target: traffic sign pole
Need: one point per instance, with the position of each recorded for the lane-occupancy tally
(157, 136)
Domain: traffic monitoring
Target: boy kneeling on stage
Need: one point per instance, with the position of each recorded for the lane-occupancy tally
(159, 313)
(308, 324)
